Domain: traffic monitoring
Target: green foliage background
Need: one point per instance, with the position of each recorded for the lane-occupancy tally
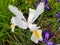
(46, 20)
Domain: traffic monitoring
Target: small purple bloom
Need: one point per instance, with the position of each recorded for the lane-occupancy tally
(57, 15)
(47, 35)
(58, 0)
(50, 43)
(47, 8)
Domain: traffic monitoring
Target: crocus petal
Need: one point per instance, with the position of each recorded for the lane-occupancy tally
(47, 35)
(47, 8)
(17, 12)
(45, 1)
(50, 43)
(39, 10)
(31, 15)
(35, 39)
(57, 15)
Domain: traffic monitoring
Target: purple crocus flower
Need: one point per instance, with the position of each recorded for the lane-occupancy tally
(47, 35)
(47, 8)
(57, 15)
(58, 0)
(50, 43)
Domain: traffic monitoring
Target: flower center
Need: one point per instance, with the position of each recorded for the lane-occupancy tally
(37, 34)
(12, 25)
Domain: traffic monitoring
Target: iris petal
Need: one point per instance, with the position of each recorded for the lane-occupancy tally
(47, 35)
(37, 39)
(47, 8)
(50, 43)
(45, 2)
(57, 15)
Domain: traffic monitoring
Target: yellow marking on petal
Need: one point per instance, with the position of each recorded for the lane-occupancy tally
(37, 34)
(12, 25)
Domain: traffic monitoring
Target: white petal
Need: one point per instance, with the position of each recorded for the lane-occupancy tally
(58, 44)
(41, 38)
(12, 28)
(39, 10)
(31, 15)
(34, 39)
(14, 24)
(33, 27)
(13, 20)
(17, 12)
(21, 23)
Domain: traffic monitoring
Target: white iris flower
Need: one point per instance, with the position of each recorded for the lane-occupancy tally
(21, 22)
(37, 34)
